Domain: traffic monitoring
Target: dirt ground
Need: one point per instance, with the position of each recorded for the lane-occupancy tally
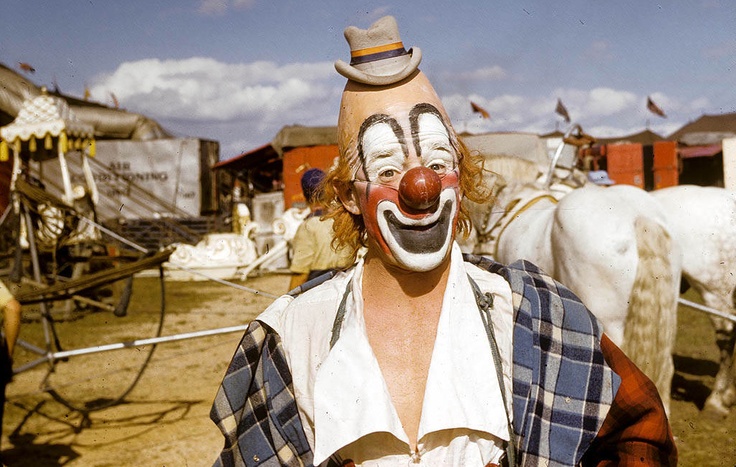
(164, 421)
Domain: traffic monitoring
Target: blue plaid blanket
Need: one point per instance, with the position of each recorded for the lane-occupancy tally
(562, 386)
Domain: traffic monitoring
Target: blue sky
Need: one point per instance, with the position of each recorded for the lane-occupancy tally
(236, 71)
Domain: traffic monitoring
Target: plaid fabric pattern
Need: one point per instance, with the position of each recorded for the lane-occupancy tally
(636, 431)
(255, 406)
(562, 387)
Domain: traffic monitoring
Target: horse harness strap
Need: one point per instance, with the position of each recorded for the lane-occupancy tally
(485, 303)
(510, 213)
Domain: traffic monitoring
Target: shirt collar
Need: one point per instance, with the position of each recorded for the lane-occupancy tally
(351, 398)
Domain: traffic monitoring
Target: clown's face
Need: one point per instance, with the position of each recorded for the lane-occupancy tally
(406, 186)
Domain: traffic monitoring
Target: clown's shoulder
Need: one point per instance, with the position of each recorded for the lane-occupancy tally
(310, 312)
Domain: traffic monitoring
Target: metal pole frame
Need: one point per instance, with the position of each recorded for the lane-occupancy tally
(706, 309)
(51, 356)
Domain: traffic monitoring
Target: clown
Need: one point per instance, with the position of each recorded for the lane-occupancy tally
(399, 174)
(416, 354)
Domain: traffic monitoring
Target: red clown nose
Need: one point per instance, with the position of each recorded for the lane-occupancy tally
(420, 188)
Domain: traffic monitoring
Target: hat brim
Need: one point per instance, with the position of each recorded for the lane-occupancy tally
(352, 73)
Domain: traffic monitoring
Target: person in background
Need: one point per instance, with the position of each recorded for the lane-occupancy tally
(11, 328)
(600, 177)
(418, 354)
(312, 246)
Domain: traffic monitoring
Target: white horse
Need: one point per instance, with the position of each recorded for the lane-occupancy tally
(703, 220)
(610, 246)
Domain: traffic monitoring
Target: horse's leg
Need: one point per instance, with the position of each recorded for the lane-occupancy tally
(715, 295)
(729, 396)
(723, 395)
(704, 219)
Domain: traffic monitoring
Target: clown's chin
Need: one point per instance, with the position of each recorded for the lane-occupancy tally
(419, 262)
(419, 246)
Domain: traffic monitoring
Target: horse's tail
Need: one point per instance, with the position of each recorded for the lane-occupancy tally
(651, 321)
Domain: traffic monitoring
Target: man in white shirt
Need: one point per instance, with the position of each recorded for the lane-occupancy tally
(415, 355)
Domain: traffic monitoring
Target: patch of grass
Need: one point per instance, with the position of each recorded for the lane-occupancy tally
(701, 440)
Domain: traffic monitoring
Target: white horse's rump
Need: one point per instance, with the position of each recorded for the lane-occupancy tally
(611, 247)
(703, 220)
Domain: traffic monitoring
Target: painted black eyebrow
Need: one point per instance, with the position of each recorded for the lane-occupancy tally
(374, 120)
(414, 114)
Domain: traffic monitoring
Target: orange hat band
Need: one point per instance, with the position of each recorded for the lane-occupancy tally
(381, 52)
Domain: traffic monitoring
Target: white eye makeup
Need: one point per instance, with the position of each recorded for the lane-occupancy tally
(434, 143)
(384, 155)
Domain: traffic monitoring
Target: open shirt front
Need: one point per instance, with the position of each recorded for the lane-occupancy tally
(343, 399)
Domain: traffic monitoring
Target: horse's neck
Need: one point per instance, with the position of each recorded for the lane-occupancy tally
(511, 202)
(515, 198)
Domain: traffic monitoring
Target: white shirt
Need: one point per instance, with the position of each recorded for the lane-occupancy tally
(343, 399)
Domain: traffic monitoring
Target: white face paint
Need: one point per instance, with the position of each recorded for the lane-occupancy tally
(384, 154)
(419, 244)
(415, 240)
(434, 143)
(387, 157)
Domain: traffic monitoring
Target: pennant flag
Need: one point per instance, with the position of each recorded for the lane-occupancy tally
(27, 67)
(562, 110)
(654, 108)
(478, 109)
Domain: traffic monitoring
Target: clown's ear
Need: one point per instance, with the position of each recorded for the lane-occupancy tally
(348, 197)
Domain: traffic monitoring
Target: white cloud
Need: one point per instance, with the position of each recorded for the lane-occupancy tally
(699, 105)
(243, 106)
(205, 89)
(601, 111)
(607, 101)
(259, 97)
(672, 105)
(597, 102)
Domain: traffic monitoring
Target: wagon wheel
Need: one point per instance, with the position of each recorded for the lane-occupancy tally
(96, 381)
(81, 374)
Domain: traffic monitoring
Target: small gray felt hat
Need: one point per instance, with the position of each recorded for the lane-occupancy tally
(377, 55)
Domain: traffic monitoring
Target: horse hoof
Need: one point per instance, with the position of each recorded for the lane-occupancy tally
(714, 411)
(729, 396)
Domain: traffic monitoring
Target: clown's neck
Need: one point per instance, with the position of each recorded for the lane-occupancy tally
(395, 283)
(401, 312)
